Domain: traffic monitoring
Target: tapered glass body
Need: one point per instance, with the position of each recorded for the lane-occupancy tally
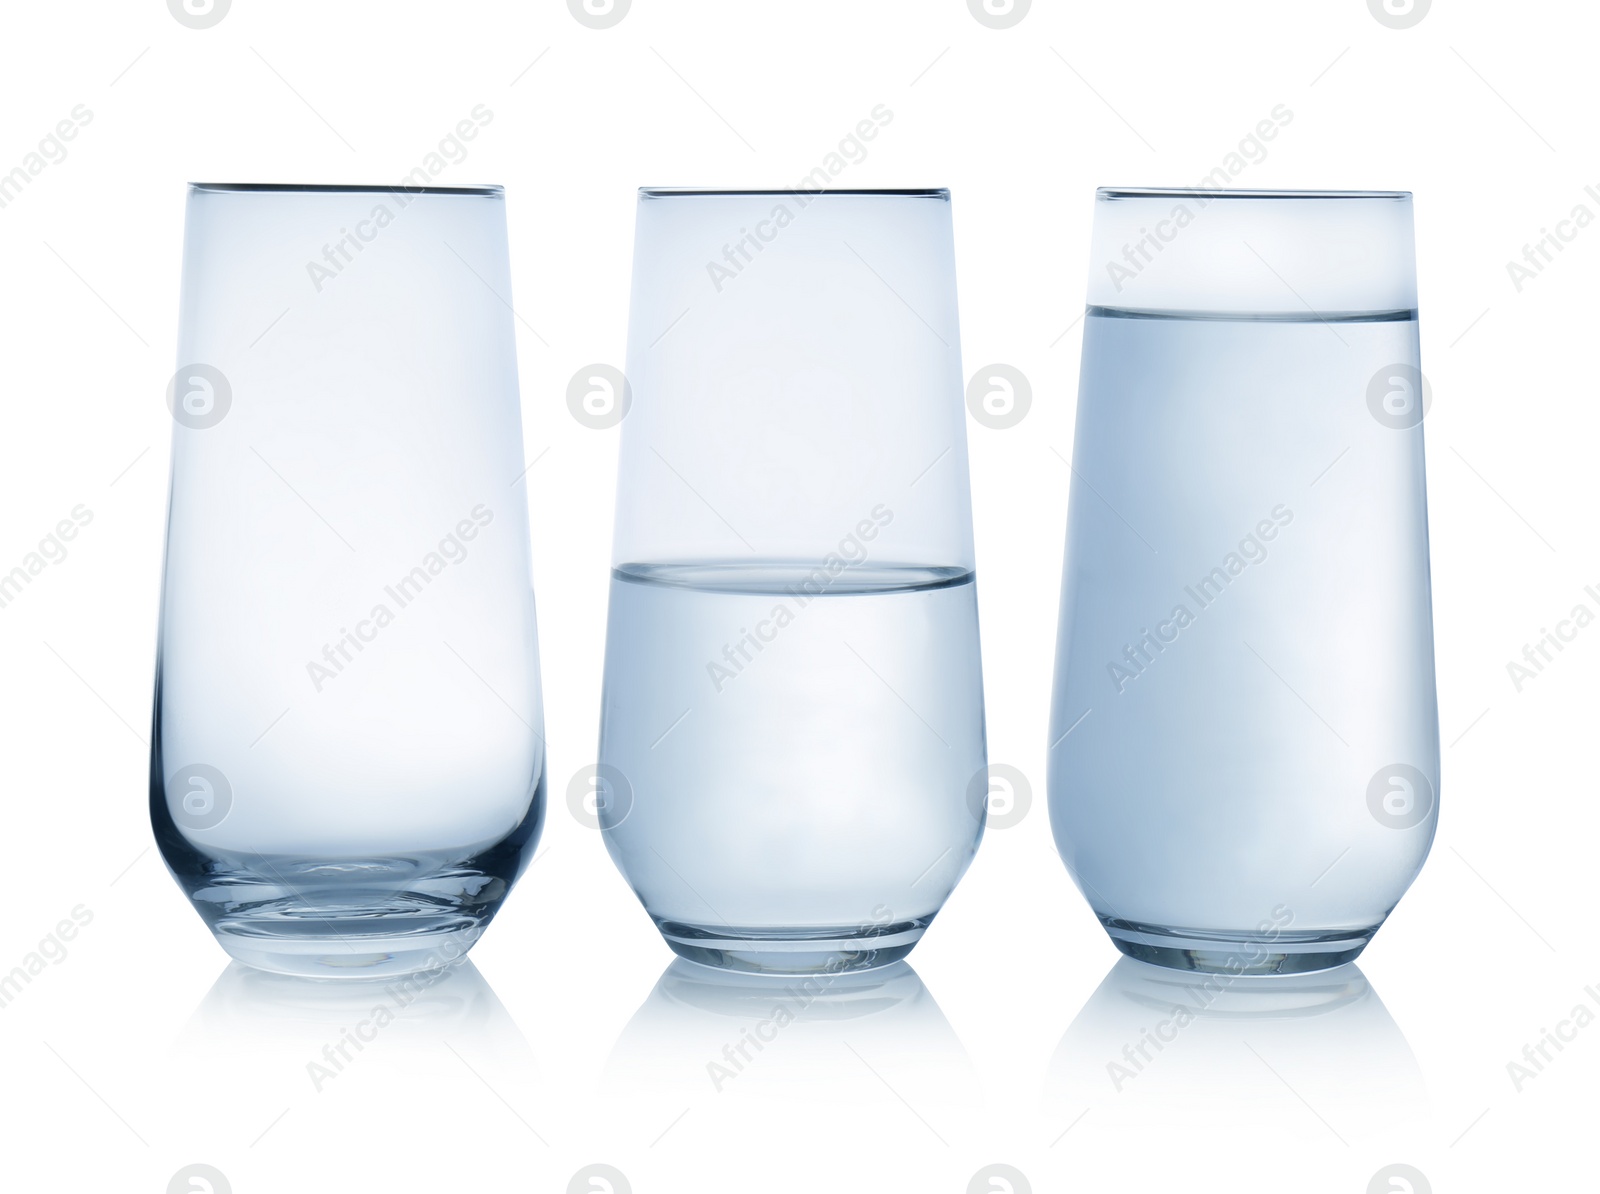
(1244, 759)
(793, 710)
(347, 770)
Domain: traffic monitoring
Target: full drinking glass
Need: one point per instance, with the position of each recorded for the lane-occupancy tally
(347, 772)
(1244, 759)
(793, 725)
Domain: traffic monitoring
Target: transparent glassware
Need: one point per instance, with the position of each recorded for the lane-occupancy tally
(793, 730)
(1244, 752)
(347, 765)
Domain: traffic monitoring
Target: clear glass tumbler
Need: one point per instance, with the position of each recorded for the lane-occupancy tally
(347, 768)
(1244, 753)
(793, 724)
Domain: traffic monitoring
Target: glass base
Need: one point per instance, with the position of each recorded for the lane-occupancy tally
(346, 916)
(1211, 951)
(821, 950)
(347, 943)
(353, 918)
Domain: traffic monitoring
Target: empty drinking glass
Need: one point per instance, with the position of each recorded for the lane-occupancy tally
(1244, 761)
(793, 716)
(347, 772)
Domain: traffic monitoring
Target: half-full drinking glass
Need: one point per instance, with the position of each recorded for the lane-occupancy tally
(1244, 754)
(347, 772)
(793, 715)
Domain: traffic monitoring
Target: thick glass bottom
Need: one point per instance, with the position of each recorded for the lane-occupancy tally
(351, 918)
(344, 917)
(812, 950)
(348, 941)
(1211, 951)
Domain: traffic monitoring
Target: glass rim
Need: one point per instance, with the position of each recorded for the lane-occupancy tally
(320, 188)
(709, 192)
(1111, 193)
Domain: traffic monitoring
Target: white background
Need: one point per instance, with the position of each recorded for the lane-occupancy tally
(123, 1064)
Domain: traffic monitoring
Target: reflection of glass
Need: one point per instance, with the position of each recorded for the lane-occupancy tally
(347, 768)
(1245, 760)
(329, 1059)
(275, 1009)
(706, 1032)
(793, 712)
(1236, 1055)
